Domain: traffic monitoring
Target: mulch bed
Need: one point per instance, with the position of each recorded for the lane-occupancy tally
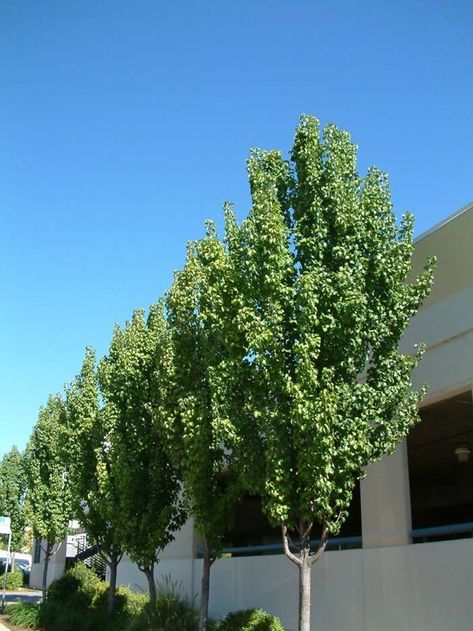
(6, 622)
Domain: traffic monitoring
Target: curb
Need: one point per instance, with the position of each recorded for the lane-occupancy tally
(3, 627)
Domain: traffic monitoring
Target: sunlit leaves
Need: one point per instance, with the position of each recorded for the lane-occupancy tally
(320, 271)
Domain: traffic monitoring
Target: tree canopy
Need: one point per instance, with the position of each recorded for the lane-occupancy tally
(150, 492)
(321, 268)
(49, 492)
(12, 495)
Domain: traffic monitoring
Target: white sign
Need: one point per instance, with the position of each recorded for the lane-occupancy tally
(5, 528)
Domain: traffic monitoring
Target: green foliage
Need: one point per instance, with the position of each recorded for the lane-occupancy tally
(12, 495)
(200, 386)
(173, 611)
(85, 445)
(25, 615)
(14, 579)
(127, 603)
(48, 492)
(79, 583)
(251, 620)
(78, 602)
(320, 270)
(79, 599)
(150, 507)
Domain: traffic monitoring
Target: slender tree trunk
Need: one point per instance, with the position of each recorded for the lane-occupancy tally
(205, 588)
(12, 561)
(304, 562)
(47, 556)
(113, 564)
(149, 572)
(304, 592)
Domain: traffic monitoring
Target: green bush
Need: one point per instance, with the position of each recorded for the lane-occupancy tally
(126, 601)
(25, 615)
(251, 620)
(174, 612)
(71, 602)
(78, 601)
(78, 579)
(14, 579)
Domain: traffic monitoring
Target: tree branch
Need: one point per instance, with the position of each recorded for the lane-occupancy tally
(292, 557)
(322, 545)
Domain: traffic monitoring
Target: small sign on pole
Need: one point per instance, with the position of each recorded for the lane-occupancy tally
(5, 525)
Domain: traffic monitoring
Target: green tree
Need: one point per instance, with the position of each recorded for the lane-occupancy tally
(150, 505)
(48, 493)
(200, 432)
(321, 271)
(12, 496)
(94, 486)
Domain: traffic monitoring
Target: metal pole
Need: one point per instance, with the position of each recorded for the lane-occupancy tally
(5, 573)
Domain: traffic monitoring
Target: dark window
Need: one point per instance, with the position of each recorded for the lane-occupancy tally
(37, 551)
(252, 528)
(441, 469)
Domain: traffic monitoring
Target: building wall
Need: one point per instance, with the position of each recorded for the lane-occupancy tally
(176, 561)
(55, 569)
(422, 587)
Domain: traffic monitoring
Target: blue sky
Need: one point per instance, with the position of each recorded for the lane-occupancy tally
(124, 125)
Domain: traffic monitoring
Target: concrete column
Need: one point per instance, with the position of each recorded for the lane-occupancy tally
(386, 502)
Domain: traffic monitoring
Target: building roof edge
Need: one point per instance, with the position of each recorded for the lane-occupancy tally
(445, 221)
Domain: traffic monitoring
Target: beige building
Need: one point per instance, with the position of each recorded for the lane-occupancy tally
(405, 559)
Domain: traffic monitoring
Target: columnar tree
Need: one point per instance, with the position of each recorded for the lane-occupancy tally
(94, 486)
(48, 494)
(12, 496)
(201, 377)
(322, 269)
(150, 499)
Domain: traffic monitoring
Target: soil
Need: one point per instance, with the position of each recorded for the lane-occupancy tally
(6, 623)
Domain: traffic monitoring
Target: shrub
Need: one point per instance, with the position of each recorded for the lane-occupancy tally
(78, 579)
(251, 620)
(14, 579)
(25, 615)
(70, 603)
(174, 612)
(126, 601)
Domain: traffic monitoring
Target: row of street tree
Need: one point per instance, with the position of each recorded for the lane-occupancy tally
(271, 366)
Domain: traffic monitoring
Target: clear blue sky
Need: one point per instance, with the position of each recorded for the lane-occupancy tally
(124, 125)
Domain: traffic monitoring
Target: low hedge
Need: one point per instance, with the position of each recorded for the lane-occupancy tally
(14, 579)
(251, 620)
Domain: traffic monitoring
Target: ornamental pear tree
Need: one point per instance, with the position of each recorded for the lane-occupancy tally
(150, 492)
(94, 487)
(12, 496)
(48, 494)
(321, 269)
(200, 432)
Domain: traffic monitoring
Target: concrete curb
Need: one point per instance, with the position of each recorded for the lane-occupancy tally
(3, 627)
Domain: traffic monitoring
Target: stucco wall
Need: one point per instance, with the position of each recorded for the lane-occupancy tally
(446, 327)
(55, 568)
(424, 587)
(175, 561)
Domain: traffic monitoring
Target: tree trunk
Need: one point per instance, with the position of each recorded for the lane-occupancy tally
(12, 561)
(113, 583)
(304, 592)
(47, 555)
(205, 588)
(149, 572)
(304, 562)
